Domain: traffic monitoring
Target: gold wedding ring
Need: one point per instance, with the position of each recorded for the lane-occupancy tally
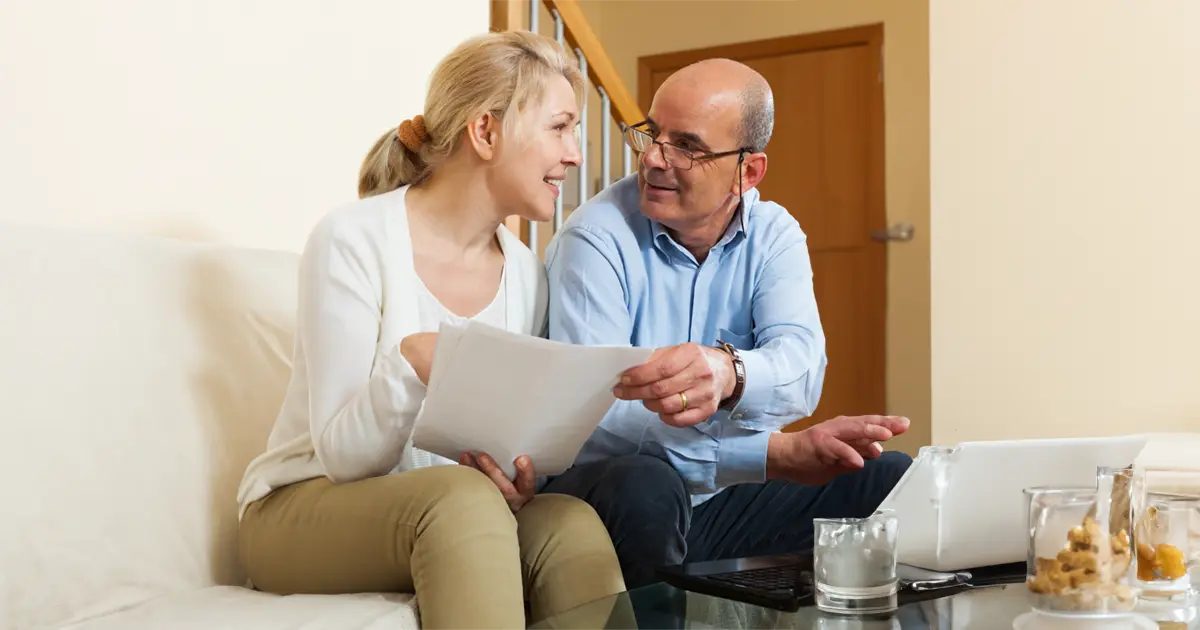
(683, 399)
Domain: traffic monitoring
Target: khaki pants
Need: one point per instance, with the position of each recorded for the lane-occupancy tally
(443, 532)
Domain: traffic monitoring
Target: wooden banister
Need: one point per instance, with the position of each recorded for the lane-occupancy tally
(509, 15)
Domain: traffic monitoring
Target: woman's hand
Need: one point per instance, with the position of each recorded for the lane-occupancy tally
(418, 349)
(516, 492)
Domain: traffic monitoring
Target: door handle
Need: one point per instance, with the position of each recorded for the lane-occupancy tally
(897, 232)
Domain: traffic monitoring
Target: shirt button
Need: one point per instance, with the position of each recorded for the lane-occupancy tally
(738, 415)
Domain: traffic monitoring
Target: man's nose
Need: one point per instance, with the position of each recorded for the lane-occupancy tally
(654, 158)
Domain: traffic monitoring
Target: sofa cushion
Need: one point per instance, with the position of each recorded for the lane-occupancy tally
(138, 378)
(232, 608)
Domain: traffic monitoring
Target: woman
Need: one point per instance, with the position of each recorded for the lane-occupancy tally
(336, 504)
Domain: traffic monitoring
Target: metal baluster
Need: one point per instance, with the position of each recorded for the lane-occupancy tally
(535, 13)
(605, 132)
(558, 35)
(583, 137)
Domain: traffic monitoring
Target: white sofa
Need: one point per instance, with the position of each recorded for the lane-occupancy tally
(138, 377)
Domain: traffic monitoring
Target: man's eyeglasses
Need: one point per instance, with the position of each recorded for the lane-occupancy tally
(678, 157)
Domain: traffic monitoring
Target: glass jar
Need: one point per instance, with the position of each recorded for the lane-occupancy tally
(1077, 564)
(1162, 539)
(1118, 485)
(1166, 533)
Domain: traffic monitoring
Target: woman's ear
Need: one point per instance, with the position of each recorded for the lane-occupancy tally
(482, 133)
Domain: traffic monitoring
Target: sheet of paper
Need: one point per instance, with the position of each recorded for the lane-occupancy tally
(507, 395)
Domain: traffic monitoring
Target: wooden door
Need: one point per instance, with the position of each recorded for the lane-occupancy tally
(825, 165)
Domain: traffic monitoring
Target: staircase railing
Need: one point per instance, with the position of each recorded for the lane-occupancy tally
(571, 29)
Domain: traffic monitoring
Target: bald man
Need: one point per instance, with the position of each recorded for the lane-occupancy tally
(685, 257)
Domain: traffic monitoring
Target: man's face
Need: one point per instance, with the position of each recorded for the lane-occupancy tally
(689, 118)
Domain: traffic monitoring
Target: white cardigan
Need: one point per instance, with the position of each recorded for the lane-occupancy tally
(350, 407)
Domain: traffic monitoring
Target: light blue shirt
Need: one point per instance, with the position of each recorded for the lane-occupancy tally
(618, 278)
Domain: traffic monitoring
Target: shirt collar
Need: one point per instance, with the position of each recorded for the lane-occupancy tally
(740, 225)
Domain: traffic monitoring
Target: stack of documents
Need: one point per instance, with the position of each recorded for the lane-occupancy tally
(505, 394)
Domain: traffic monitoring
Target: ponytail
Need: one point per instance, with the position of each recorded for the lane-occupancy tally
(388, 166)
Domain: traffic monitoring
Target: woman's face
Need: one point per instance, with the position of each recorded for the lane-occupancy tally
(528, 174)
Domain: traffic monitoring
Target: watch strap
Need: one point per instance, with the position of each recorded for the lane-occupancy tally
(739, 376)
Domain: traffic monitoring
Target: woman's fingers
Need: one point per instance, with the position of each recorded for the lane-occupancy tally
(516, 492)
(492, 470)
(526, 477)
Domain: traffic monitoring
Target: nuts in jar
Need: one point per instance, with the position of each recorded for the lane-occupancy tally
(1087, 574)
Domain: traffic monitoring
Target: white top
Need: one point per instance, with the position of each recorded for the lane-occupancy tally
(433, 312)
(350, 406)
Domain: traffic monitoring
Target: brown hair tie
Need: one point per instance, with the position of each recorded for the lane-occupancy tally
(412, 133)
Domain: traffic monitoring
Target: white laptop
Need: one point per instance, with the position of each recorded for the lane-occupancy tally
(963, 506)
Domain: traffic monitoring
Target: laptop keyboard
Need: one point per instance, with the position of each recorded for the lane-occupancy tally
(781, 578)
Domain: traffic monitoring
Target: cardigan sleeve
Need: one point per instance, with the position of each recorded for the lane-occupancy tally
(362, 401)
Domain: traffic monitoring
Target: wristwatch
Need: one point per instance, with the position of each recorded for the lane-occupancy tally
(739, 376)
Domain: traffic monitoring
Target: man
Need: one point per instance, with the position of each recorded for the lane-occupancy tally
(689, 463)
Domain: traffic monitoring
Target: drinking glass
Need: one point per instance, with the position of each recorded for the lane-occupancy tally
(854, 563)
(1077, 565)
(841, 621)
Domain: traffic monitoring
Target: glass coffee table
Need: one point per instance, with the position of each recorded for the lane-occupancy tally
(664, 606)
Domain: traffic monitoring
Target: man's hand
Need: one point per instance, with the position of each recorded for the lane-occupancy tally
(683, 384)
(839, 445)
(516, 492)
(418, 349)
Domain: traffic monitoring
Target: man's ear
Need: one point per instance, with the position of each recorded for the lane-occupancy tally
(481, 133)
(754, 169)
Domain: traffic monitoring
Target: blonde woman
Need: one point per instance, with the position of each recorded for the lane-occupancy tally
(336, 504)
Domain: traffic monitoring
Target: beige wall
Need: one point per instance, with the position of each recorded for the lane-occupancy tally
(227, 120)
(630, 30)
(1065, 209)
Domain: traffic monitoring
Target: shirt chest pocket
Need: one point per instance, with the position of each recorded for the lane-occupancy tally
(741, 341)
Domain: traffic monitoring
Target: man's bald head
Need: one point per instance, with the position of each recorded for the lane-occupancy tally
(734, 80)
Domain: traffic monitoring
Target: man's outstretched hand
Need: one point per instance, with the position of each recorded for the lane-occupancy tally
(823, 451)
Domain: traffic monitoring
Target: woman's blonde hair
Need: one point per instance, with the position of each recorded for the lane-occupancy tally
(498, 73)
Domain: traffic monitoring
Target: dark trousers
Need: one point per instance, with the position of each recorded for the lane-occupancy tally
(647, 510)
